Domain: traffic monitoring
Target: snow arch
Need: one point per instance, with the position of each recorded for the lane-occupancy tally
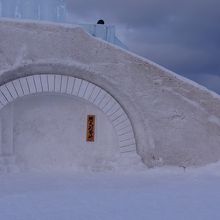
(62, 84)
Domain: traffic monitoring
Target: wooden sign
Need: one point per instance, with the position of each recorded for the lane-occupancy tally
(90, 137)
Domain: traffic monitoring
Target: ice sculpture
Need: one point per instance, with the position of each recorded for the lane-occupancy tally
(49, 10)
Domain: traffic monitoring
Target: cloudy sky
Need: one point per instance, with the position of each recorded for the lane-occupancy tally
(183, 36)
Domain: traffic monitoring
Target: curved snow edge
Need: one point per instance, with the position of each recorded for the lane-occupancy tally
(143, 59)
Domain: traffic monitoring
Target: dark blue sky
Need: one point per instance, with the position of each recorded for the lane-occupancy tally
(183, 36)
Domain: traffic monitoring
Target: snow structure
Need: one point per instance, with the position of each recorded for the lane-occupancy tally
(53, 76)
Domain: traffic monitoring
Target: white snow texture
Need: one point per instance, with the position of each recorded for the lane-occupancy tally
(157, 194)
(174, 121)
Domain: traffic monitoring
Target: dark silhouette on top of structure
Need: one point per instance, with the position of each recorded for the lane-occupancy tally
(101, 22)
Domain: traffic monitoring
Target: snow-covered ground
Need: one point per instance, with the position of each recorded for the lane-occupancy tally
(162, 193)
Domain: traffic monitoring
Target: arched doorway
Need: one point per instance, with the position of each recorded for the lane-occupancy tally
(44, 98)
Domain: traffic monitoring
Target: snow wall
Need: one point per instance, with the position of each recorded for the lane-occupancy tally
(49, 134)
(175, 121)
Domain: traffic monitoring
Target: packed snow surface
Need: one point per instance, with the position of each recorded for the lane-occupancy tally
(176, 122)
(162, 193)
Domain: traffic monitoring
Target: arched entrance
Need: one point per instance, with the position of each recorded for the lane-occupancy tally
(81, 91)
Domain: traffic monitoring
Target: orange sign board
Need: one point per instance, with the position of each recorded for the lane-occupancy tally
(90, 137)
